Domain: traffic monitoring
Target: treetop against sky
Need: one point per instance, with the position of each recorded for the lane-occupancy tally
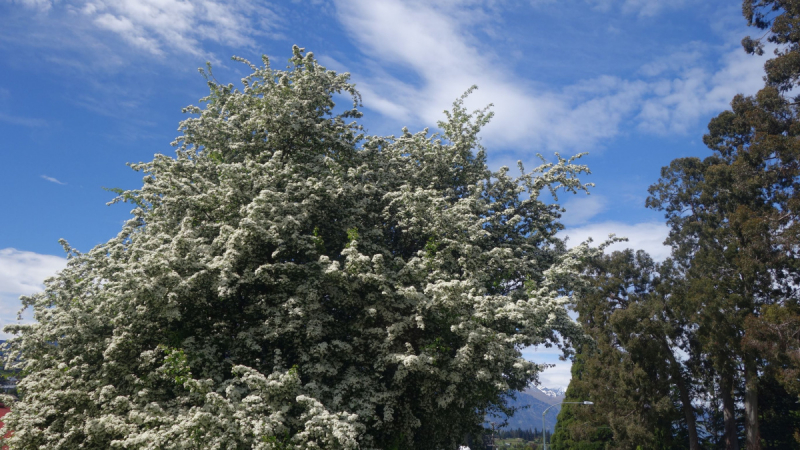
(90, 86)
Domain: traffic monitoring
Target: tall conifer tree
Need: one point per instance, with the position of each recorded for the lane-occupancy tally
(734, 224)
(639, 387)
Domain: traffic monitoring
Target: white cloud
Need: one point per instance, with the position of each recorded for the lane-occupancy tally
(552, 377)
(23, 273)
(644, 8)
(42, 5)
(442, 50)
(448, 60)
(159, 26)
(53, 180)
(647, 236)
(557, 376)
(689, 56)
(580, 209)
(679, 101)
(22, 121)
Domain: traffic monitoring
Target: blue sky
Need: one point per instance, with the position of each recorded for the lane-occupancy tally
(87, 86)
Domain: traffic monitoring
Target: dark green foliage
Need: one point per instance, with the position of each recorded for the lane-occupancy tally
(728, 297)
(639, 387)
(780, 416)
(734, 229)
(531, 435)
(523, 438)
(579, 427)
(781, 19)
(733, 219)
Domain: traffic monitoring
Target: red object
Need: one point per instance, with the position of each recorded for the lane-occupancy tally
(3, 412)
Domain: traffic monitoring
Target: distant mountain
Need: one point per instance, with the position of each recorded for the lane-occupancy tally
(533, 401)
(550, 396)
(555, 392)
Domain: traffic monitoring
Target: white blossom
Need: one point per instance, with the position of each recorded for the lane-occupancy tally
(287, 282)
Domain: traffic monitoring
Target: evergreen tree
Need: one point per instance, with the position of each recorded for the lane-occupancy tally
(734, 222)
(733, 219)
(580, 428)
(779, 414)
(734, 232)
(639, 387)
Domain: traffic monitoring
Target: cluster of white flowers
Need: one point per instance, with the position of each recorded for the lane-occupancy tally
(286, 282)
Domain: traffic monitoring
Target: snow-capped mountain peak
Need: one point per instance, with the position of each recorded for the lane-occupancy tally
(553, 392)
(551, 396)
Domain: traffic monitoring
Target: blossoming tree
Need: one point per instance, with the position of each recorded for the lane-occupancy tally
(286, 282)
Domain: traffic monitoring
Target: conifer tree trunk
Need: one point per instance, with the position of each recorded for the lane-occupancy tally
(688, 411)
(728, 412)
(686, 399)
(753, 436)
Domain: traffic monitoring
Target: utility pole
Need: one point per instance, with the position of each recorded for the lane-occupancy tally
(544, 431)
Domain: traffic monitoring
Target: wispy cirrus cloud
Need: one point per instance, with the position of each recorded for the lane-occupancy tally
(680, 98)
(581, 209)
(22, 121)
(42, 5)
(445, 56)
(448, 60)
(644, 8)
(159, 27)
(15, 119)
(53, 180)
